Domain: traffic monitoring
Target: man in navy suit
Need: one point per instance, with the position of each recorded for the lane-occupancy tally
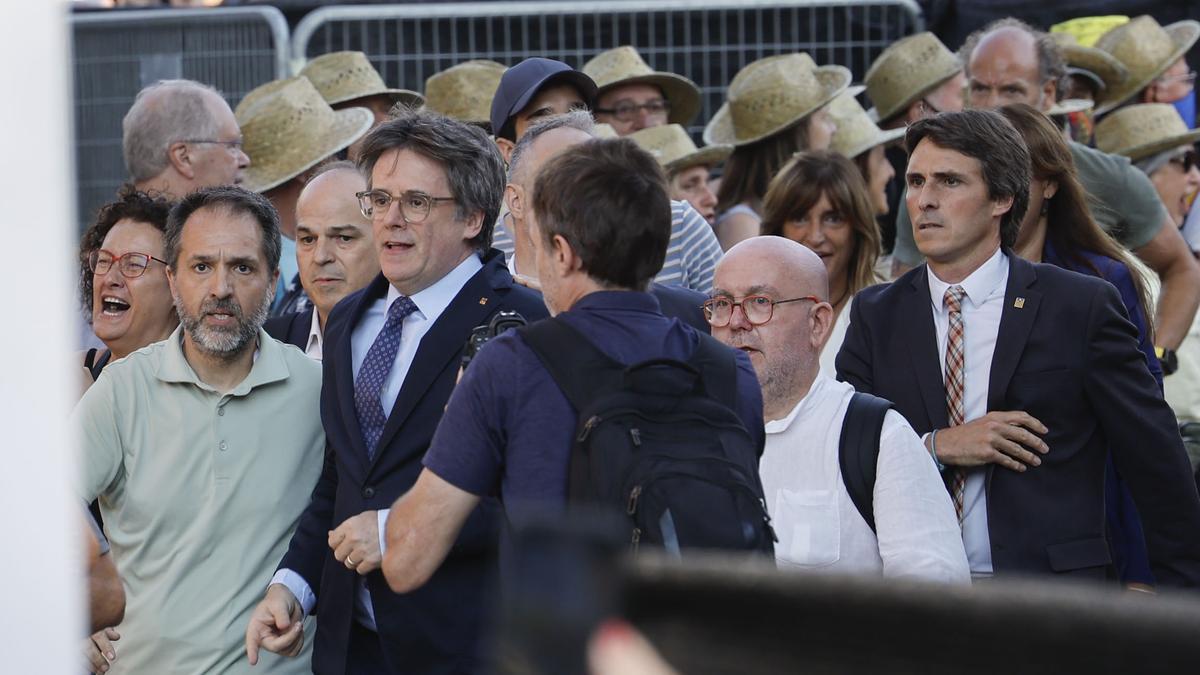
(392, 353)
(1020, 376)
(335, 253)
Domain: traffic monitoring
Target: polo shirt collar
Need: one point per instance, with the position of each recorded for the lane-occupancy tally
(269, 364)
(623, 300)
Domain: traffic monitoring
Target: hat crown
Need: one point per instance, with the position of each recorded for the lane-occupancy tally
(907, 70)
(615, 65)
(343, 76)
(770, 92)
(856, 133)
(667, 143)
(1140, 45)
(464, 91)
(1141, 130)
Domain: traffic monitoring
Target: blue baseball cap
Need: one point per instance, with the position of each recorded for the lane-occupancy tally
(522, 82)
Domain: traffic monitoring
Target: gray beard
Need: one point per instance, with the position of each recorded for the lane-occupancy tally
(225, 344)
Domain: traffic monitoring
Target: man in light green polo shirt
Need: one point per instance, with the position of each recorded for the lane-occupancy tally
(1010, 62)
(203, 448)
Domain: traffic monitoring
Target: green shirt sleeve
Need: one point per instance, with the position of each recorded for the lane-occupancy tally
(99, 456)
(905, 249)
(1122, 198)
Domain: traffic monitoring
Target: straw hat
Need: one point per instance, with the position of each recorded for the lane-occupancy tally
(345, 76)
(602, 130)
(856, 133)
(671, 145)
(287, 129)
(464, 91)
(624, 65)
(1070, 105)
(1142, 130)
(772, 94)
(1095, 64)
(906, 71)
(1146, 49)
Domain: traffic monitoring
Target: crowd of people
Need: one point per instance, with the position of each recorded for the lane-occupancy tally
(947, 335)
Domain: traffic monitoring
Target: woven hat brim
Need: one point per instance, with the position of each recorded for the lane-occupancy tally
(351, 125)
(1184, 34)
(682, 93)
(405, 96)
(720, 130)
(885, 136)
(1144, 150)
(903, 104)
(709, 155)
(1096, 61)
(1070, 105)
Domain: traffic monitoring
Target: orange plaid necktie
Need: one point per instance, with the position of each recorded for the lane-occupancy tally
(955, 371)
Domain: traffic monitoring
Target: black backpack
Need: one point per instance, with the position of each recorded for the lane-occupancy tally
(660, 441)
(858, 450)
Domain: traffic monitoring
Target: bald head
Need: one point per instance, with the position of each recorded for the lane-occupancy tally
(783, 264)
(1009, 61)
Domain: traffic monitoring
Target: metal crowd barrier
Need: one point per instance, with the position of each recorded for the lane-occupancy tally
(705, 40)
(117, 53)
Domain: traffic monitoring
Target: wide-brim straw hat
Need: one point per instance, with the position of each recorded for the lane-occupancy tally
(1146, 49)
(907, 71)
(1142, 130)
(856, 132)
(287, 129)
(771, 95)
(624, 65)
(1097, 64)
(464, 91)
(1070, 105)
(672, 146)
(604, 130)
(346, 76)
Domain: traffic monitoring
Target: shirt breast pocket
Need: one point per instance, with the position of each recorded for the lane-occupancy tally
(813, 527)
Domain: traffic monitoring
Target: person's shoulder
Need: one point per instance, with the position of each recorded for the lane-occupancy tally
(1097, 162)
(280, 327)
(883, 295)
(298, 363)
(138, 364)
(1055, 279)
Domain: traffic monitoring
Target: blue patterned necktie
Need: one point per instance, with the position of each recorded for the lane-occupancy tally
(368, 386)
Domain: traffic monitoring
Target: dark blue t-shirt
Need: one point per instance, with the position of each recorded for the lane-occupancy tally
(508, 427)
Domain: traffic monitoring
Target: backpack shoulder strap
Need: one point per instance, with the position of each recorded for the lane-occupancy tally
(718, 370)
(858, 450)
(579, 368)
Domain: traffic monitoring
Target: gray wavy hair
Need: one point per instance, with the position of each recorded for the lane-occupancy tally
(164, 113)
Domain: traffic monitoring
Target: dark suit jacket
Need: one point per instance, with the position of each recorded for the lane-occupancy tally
(1069, 357)
(291, 328)
(682, 303)
(435, 629)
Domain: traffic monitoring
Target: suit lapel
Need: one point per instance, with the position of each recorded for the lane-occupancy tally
(444, 342)
(1016, 321)
(344, 356)
(917, 330)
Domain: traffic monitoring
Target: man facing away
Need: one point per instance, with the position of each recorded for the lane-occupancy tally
(1022, 377)
(199, 447)
(771, 300)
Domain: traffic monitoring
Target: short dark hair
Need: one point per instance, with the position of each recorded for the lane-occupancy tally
(474, 168)
(984, 135)
(131, 204)
(608, 199)
(235, 200)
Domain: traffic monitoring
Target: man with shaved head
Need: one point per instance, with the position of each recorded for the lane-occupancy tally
(771, 300)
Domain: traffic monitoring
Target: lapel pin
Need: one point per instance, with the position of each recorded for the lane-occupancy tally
(1019, 303)
(483, 301)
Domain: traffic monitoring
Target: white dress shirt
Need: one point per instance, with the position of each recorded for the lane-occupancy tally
(314, 350)
(981, 311)
(819, 527)
(430, 302)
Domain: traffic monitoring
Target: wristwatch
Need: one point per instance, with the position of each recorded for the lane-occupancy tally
(1168, 359)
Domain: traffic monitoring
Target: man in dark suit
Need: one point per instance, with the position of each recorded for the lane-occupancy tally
(335, 253)
(392, 354)
(1020, 376)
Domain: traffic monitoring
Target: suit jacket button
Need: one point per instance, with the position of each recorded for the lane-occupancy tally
(368, 492)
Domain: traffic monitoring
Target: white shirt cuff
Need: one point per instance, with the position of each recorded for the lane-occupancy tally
(383, 514)
(299, 588)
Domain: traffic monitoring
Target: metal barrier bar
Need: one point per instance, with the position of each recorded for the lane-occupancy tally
(117, 53)
(705, 40)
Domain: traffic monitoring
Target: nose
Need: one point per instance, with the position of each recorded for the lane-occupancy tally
(812, 235)
(708, 198)
(113, 276)
(393, 216)
(738, 320)
(243, 159)
(323, 251)
(222, 284)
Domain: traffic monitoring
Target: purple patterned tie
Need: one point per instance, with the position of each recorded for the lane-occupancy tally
(368, 386)
(954, 386)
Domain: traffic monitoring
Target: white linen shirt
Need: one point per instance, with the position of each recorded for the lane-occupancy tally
(981, 311)
(818, 526)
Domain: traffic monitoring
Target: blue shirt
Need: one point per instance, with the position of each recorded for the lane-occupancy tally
(508, 427)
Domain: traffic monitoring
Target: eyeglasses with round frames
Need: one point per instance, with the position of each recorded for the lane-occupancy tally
(414, 206)
(628, 112)
(229, 145)
(758, 309)
(131, 265)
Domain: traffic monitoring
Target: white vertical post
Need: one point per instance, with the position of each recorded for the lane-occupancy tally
(41, 587)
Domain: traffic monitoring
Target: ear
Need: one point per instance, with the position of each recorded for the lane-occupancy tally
(822, 324)
(1001, 206)
(564, 258)
(181, 160)
(1050, 190)
(171, 281)
(1050, 92)
(514, 198)
(914, 113)
(473, 226)
(506, 147)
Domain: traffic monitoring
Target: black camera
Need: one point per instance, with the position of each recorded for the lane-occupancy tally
(480, 335)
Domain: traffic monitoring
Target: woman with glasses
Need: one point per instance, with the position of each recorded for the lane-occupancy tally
(123, 280)
(1058, 229)
(820, 200)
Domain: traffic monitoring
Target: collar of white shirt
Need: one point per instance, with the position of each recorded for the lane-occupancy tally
(314, 350)
(812, 398)
(434, 300)
(979, 284)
